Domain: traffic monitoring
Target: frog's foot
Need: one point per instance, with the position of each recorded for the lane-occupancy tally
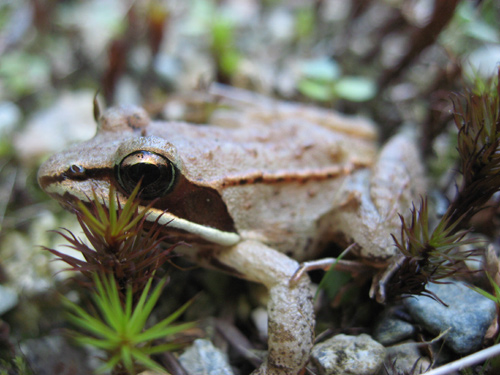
(370, 200)
(290, 308)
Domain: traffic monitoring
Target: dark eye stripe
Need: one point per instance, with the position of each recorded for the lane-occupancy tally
(94, 173)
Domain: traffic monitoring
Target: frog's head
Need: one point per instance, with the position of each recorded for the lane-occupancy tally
(122, 154)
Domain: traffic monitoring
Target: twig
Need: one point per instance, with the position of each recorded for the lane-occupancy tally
(470, 360)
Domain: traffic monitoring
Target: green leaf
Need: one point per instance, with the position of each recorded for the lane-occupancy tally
(98, 343)
(176, 314)
(126, 358)
(230, 61)
(21, 73)
(143, 359)
(157, 332)
(93, 325)
(494, 285)
(130, 206)
(222, 33)
(315, 90)
(139, 317)
(333, 281)
(356, 89)
(101, 212)
(304, 22)
(108, 301)
(484, 293)
(160, 348)
(110, 364)
(91, 220)
(112, 210)
(86, 321)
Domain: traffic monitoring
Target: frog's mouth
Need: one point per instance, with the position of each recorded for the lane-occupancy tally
(68, 191)
(209, 234)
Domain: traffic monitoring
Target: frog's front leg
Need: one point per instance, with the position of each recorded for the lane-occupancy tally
(371, 199)
(290, 309)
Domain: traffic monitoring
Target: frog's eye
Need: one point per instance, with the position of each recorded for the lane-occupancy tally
(156, 172)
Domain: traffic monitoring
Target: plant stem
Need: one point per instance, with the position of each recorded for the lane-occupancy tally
(468, 361)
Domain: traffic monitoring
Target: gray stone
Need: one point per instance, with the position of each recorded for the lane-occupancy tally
(468, 315)
(54, 355)
(202, 358)
(406, 359)
(348, 355)
(390, 330)
(10, 116)
(8, 299)
(47, 130)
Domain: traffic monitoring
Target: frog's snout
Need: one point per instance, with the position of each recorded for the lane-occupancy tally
(45, 174)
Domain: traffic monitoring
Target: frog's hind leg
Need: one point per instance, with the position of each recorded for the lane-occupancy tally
(371, 199)
(290, 309)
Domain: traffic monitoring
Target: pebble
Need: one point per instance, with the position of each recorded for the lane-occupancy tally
(10, 116)
(259, 318)
(68, 120)
(348, 355)
(8, 299)
(468, 315)
(51, 355)
(390, 330)
(405, 358)
(203, 358)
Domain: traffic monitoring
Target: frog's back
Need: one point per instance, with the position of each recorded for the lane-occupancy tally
(284, 139)
(277, 171)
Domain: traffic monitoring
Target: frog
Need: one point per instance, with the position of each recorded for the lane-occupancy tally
(260, 188)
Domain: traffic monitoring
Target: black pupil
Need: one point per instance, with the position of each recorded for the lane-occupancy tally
(148, 172)
(155, 173)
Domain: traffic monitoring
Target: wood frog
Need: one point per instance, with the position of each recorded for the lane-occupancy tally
(266, 185)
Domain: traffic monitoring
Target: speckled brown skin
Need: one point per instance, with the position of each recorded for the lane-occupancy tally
(262, 188)
(290, 309)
